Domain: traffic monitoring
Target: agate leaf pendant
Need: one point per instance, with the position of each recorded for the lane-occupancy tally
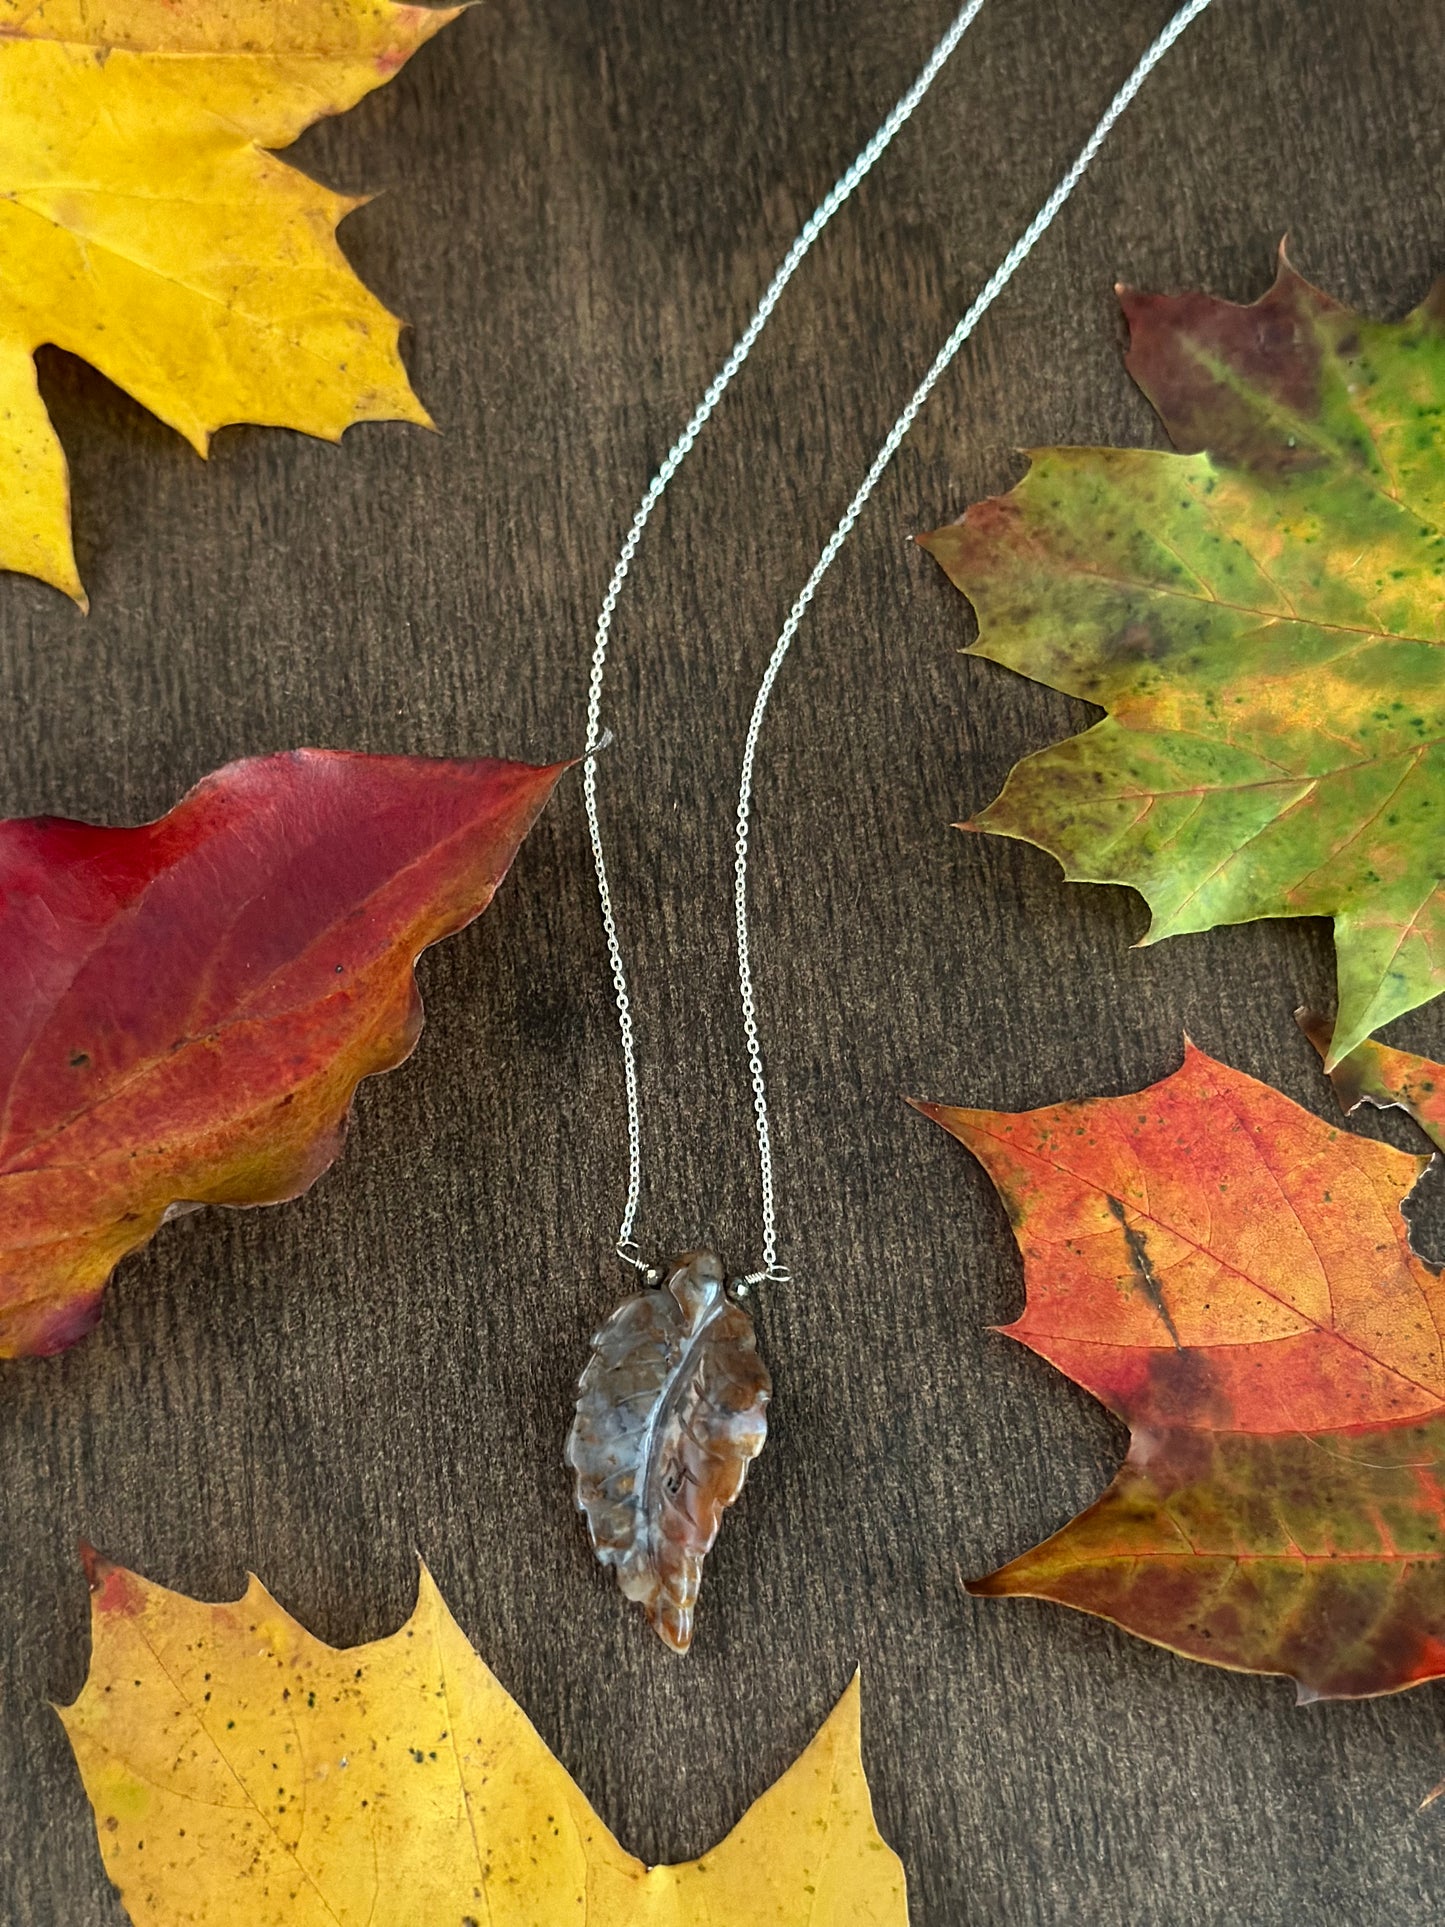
(672, 1407)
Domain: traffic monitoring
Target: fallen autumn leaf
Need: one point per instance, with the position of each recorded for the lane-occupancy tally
(1261, 616)
(144, 227)
(1231, 1276)
(1389, 1079)
(245, 1775)
(190, 1005)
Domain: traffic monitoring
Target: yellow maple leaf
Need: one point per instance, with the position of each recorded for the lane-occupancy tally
(243, 1774)
(144, 227)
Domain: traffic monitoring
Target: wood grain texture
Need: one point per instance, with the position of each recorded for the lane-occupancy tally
(587, 200)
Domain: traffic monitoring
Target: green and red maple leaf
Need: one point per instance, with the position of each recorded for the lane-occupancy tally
(1262, 615)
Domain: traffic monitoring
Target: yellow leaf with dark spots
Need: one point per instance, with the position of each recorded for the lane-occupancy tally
(243, 1774)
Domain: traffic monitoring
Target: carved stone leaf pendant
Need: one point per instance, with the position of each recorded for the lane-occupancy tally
(671, 1409)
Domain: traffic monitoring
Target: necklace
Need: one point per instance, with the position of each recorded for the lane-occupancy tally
(672, 1404)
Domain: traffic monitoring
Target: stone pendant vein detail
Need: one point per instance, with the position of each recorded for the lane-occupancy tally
(672, 1407)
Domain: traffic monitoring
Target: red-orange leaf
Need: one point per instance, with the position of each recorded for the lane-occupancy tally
(189, 1005)
(1232, 1276)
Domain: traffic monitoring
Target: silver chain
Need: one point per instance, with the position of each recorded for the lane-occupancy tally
(772, 1271)
(681, 448)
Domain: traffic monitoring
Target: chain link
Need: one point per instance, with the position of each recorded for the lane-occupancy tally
(772, 1270)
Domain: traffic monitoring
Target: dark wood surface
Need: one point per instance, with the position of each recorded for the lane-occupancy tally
(584, 201)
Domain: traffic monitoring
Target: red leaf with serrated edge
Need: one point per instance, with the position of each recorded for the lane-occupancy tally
(190, 1004)
(1232, 1276)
